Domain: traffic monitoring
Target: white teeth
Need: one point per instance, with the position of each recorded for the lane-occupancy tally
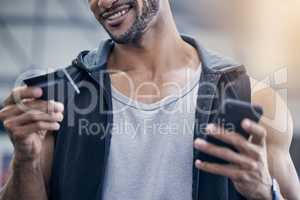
(118, 14)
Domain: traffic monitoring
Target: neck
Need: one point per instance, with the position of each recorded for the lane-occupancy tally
(161, 47)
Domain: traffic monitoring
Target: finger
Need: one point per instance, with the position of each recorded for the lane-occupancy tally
(30, 117)
(32, 105)
(22, 132)
(40, 105)
(23, 92)
(225, 154)
(234, 139)
(257, 131)
(13, 110)
(228, 170)
(7, 112)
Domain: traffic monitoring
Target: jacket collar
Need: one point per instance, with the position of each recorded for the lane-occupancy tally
(212, 62)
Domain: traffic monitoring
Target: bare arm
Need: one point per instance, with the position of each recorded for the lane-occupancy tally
(259, 158)
(30, 180)
(26, 182)
(31, 133)
(279, 125)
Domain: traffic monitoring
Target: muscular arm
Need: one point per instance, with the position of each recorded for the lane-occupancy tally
(262, 156)
(278, 122)
(30, 180)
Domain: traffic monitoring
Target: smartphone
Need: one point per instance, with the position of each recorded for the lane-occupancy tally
(230, 117)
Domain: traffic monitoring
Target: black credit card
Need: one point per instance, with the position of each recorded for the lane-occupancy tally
(52, 84)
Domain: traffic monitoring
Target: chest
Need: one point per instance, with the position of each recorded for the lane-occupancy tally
(162, 126)
(152, 137)
(150, 87)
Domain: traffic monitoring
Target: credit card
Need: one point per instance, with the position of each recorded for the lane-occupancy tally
(52, 83)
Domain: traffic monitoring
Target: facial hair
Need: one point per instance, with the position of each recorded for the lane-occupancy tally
(135, 32)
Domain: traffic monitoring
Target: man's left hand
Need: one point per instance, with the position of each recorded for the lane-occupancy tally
(248, 168)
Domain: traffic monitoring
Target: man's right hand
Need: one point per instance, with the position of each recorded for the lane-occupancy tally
(28, 119)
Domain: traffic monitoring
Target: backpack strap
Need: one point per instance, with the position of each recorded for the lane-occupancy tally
(214, 87)
(238, 86)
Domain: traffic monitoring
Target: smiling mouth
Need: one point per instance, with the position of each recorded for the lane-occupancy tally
(116, 13)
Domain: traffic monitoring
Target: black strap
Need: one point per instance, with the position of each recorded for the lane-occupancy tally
(237, 86)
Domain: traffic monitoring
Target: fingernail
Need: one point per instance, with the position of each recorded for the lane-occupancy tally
(210, 128)
(56, 126)
(37, 92)
(199, 142)
(246, 123)
(59, 106)
(61, 117)
(6, 124)
(198, 163)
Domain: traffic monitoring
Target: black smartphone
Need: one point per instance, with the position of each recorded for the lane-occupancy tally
(230, 116)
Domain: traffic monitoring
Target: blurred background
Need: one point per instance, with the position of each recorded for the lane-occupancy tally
(262, 34)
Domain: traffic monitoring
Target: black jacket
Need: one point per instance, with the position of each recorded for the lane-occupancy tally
(80, 159)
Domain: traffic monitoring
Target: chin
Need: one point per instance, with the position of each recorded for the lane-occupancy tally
(118, 32)
(121, 37)
(128, 35)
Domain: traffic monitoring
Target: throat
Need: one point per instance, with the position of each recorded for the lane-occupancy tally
(142, 87)
(150, 74)
(154, 59)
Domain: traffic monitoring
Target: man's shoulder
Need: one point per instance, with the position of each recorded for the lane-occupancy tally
(220, 63)
(212, 61)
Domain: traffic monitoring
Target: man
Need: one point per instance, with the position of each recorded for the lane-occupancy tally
(155, 72)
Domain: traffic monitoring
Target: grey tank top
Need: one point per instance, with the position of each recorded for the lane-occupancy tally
(151, 154)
